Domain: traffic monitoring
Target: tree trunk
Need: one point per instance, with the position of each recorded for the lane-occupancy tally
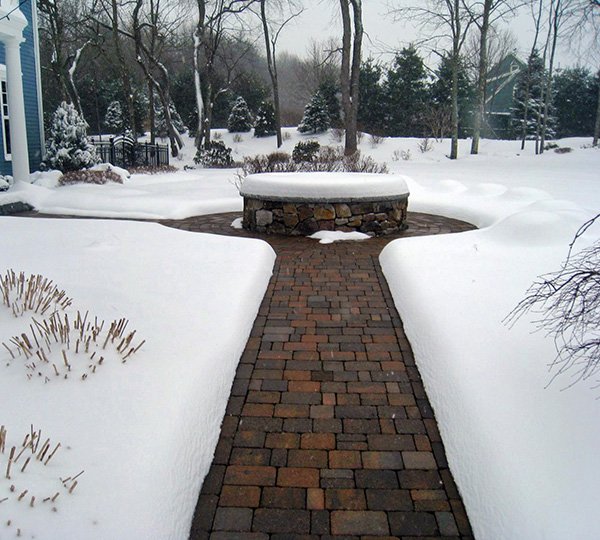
(123, 67)
(482, 79)
(548, 96)
(272, 66)
(455, 66)
(351, 49)
(197, 80)
(151, 112)
(597, 126)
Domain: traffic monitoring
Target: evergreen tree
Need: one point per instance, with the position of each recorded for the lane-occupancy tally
(265, 120)
(240, 119)
(575, 100)
(113, 119)
(537, 77)
(406, 89)
(372, 101)
(441, 92)
(329, 90)
(160, 122)
(68, 148)
(316, 118)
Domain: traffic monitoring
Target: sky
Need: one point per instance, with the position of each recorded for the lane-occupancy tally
(320, 20)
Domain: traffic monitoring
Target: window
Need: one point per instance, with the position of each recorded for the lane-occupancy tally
(5, 114)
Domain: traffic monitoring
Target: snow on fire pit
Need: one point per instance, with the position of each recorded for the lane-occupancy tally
(301, 203)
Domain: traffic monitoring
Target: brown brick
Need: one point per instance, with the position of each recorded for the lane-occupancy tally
(344, 459)
(420, 479)
(250, 439)
(321, 411)
(318, 441)
(389, 500)
(243, 496)
(291, 410)
(296, 375)
(263, 397)
(359, 523)
(272, 520)
(413, 524)
(345, 499)
(381, 460)
(250, 475)
(298, 477)
(304, 386)
(328, 399)
(278, 497)
(307, 458)
(282, 440)
(419, 460)
(315, 499)
(250, 456)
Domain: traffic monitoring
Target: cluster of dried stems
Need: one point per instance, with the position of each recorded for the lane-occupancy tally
(34, 293)
(567, 303)
(31, 450)
(86, 337)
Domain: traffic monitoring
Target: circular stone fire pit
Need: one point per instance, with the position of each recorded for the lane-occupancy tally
(302, 203)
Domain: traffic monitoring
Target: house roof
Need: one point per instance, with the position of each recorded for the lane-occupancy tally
(501, 82)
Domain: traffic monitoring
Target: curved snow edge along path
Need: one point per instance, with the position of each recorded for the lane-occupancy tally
(145, 431)
(523, 456)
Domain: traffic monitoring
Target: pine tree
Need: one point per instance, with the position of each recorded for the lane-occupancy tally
(575, 100)
(265, 120)
(537, 77)
(113, 119)
(406, 89)
(329, 90)
(441, 92)
(315, 119)
(160, 122)
(240, 119)
(68, 148)
(372, 101)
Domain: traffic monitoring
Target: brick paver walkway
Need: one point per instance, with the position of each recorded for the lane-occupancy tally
(328, 431)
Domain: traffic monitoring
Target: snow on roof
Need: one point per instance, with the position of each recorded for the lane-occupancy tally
(325, 186)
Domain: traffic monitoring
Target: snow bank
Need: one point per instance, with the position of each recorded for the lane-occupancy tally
(524, 456)
(144, 431)
(328, 237)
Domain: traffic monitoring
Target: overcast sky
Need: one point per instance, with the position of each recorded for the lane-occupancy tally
(320, 20)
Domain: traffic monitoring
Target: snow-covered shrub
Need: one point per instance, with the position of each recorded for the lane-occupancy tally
(425, 145)
(337, 134)
(305, 151)
(113, 119)
(265, 124)
(5, 182)
(563, 150)
(273, 162)
(68, 148)
(357, 163)
(88, 176)
(237, 138)
(376, 140)
(316, 118)
(240, 119)
(216, 155)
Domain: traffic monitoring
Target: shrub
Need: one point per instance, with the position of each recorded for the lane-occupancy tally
(337, 134)
(265, 124)
(563, 150)
(145, 169)
(305, 151)
(68, 148)
(425, 145)
(88, 176)
(376, 140)
(215, 155)
(274, 162)
(237, 138)
(316, 118)
(240, 119)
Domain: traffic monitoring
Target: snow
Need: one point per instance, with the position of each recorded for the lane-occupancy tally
(144, 432)
(328, 237)
(523, 455)
(324, 186)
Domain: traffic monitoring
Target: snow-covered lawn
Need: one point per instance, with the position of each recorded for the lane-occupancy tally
(523, 455)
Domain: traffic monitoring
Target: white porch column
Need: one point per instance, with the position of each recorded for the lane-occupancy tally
(16, 109)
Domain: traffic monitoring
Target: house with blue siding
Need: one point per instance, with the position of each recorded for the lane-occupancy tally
(21, 116)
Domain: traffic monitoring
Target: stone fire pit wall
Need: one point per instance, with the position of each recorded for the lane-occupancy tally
(280, 203)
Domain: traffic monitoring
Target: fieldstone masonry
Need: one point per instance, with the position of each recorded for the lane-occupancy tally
(304, 218)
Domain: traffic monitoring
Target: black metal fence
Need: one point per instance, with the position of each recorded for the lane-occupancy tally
(125, 152)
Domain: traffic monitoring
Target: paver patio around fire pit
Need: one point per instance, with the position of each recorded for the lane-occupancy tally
(300, 204)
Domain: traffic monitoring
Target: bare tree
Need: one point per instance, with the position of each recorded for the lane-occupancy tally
(211, 31)
(444, 20)
(63, 27)
(271, 32)
(149, 30)
(351, 53)
(568, 305)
